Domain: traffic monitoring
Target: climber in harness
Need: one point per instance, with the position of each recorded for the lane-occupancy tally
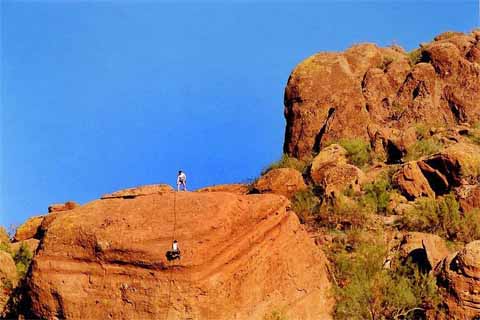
(174, 253)
(181, 181)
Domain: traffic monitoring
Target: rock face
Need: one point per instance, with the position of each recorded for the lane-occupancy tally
(411, 182)
(140, 191)
(366, 89)
(460, 276)
(283, 181)
(242, 257)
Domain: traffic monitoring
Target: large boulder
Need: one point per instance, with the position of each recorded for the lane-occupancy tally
(140, 191)
(330, 96)
(330, 170)
(283, 181)
(28, 229)
(459, 275)
(243, 256)
(469, 197)
(424, 249)
(411, 182)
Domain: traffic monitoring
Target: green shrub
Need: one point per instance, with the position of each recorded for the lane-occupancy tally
(342, 213)
(5, 247)
(424, 147)
(442, 216)
(287, 162)
(415, 56)
(365, 289)
(22, 259)
(474, 134)
(377, 194)
(358, 151)
(304, 204)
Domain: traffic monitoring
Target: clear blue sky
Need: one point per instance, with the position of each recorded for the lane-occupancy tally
(101, 96)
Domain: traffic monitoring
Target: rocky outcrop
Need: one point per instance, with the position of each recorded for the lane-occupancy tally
(283, 181)
(28, 229)
(469, 198)
(459, 275)
(237, 188)
(242, 257)
(330, 96)
(69, 205)
(424, 249)
(331, 171)
(140, 191)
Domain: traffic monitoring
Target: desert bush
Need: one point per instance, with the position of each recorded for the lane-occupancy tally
(5, 247)
(287, 162)
(377, 194)
(442, 216)
(22, 259)
(423, 147)
(275, 315)
(342, 213)
(358, 151)
(474, 134)
(304, 203)
(367, 290)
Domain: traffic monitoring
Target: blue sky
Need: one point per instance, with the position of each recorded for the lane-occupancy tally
(101, 96)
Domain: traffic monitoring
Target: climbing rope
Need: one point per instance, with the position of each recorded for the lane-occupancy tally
(173, 238)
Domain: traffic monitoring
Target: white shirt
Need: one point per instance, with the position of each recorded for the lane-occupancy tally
(181, 178)
(175, 246)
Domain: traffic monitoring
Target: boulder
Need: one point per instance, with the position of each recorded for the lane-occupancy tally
(411, 182)
(237, 188)
(331, 171)
(28, 229)
(425, 249)
(283, 181)
(459, 275)
(140, 191)
(469, 198)
(106, 259)
(8, 278)
(69, 205)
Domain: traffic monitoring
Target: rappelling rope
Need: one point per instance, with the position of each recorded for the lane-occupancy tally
(173, 238)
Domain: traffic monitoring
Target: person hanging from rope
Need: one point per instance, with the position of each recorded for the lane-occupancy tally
(174, 253)
(181, 181)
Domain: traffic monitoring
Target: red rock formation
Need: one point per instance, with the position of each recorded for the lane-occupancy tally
(459, 274)
(69, 205)
(28, 229)
(340, 95)
(283, 181)
(242, 257)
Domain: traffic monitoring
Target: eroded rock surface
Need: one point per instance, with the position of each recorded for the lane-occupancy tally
(459, 274)
(242, 257)
(330, 96)
(283, 181)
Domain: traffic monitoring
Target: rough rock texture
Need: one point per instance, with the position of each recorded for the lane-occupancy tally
(29, 229)
(331, 171)
(469, 198)
(4, 238)
(459, 274)
(69, 205)
(411, 182)
(361, 91)
(140, 191)
(283, 181)
(242, 257)
(237, 188)
(8, 277)
(425, 249)
(456, 165)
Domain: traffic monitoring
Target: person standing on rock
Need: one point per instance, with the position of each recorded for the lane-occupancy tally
(181, 181)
